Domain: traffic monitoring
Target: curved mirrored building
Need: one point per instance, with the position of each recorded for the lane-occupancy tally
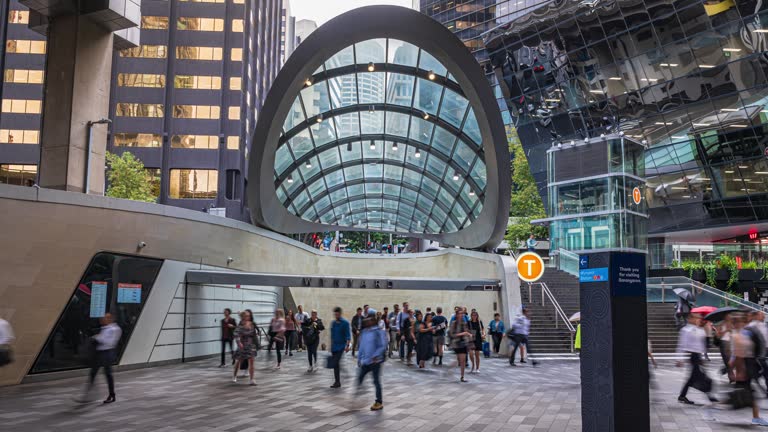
(685, 78)
(381, 120)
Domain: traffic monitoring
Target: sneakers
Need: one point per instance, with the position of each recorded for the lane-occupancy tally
(309, 370)
(253, 382)
(684, 400)
(234, 379)
(336, 385)
(759, 421)
(377, 406)
(111, 398)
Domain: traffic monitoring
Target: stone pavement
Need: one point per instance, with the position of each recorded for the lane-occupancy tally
(198, 396)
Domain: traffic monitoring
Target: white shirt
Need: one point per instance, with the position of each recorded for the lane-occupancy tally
(522, 325)
(300, 317)
(761, 328)
(6, 332)
(108, 337)
(693, 339)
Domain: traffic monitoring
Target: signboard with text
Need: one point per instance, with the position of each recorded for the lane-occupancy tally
(128, 293)
(98, 299)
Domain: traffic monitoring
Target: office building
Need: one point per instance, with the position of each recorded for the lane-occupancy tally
(287, 31)
(303, 29)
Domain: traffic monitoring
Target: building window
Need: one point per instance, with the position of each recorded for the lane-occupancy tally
(203, 1)
(140, 80)
(197, 82)
(235, 83)
(198, 53)
(19, 136)
(146, 51)
(22, 106)
(194, 183)
(154, 181)
(17, 175)
(233, 142)
(18, 17)
(237, 25)
(139, 110)
(234, 113)
(196, 111)
(154, 22)
(20, 46)
(200, 24)
(237, 54)
(23, 76)
(138, 140)
(232, 189)
(210, 142)
(238, 1)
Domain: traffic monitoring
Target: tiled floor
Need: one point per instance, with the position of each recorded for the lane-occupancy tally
(199, 396)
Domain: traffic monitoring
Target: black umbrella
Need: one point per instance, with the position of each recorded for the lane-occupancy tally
(683, 294)
(721, 313)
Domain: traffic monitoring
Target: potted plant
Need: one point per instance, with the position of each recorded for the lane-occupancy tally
(694, 269)
(676, 269)
(750, 271)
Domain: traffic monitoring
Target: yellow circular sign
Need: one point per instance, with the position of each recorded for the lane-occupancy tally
(530, 267)
(636, 195)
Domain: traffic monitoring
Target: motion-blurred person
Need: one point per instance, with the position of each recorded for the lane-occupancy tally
(477, 330)
(277, 330)
(6, 339)
(311, 328)
(228, 325)
(373, 347)
(357, 324)
(439, 323)
(518, 335)
(723, 342)
(496, 328)
(460, 340)
(290, 332)
(245, 336)
(692, 343)
(744, 366)
(300, 317)
(682, 310)
(106, 343)
(407, 337)
(758, 327)
(425, 346)
(394, 338)
(341, 336)
(401, 337)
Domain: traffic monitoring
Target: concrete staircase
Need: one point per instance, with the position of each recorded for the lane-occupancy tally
(547, 338)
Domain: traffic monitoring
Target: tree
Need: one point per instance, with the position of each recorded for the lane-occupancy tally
(525, 201)
(128, 179)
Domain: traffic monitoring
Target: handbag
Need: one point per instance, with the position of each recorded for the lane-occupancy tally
(331, 362)
(6, 356)
(741, 397)
(701, 382)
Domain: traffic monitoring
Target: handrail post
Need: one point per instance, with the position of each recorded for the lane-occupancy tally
(572, 337)
(542, 295)
(530, 295)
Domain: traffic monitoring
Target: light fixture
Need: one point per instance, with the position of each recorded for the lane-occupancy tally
(732, 49)
(668, 64)
(141, 245)
(471, 193)
(290, 179)
(586, 140)
(661, 124)
(701, 124)
(760, 30)
(371, 67)
(729, 109)
(308, 82)
(426, 116)
(615, 78)
(349, 146)
(573, 143)
(743, 167)
(596, 91)
(319, 118)
(308, 165)
(679, 136)
(455, 176)
(371, 109)
(373, 145)
(230, 260)
(706, 66)
(729, 171)
(551, 100)
(761, 172)
(431, 75)
(417, 154)
(394, 146)
(738, 125)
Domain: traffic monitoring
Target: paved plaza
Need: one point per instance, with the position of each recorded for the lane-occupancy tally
(198, 396)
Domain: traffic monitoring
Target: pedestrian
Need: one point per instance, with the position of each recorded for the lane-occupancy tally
(373, 347)
(477, 330)
(290, 332)
(439, 323)
(760, 332)
(692, 343)
(531, 243)
(401, 337)
(394, 335)
(340, 339)
(6, 339)
(311, 328)
(408, 338)
(357, 323)
(682, 309)
(744, 366)
(380, 322)
(723, 342)
(277, 329)
(300, 317)
(245, 336)
(105, 355)
(460, 337)
(228, 325)
(496, 328)
(519, 333)
(425, 345)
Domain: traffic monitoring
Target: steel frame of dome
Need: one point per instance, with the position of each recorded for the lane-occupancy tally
(466, 78)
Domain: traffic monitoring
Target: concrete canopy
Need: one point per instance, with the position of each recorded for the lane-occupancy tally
(382, 120)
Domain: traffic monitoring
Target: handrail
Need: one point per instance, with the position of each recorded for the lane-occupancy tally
(547, 293)
(564, 258)
(682, 280)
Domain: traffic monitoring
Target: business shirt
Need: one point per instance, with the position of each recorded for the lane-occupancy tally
(522, 325)
(108, 337)
(693, 339)
(373, 345)
(6, 332)
(340, 335)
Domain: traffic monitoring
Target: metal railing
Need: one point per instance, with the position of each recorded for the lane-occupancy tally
(546, 293)
(661, 290)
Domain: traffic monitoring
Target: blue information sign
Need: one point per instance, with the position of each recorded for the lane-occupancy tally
(583, 261)
(98, 299)
(593, 275)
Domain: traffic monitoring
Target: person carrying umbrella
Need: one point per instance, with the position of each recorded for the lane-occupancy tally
(723, 336)
(693, 343)
(683, 306)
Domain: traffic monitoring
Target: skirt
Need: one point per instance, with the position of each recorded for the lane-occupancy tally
(248, 351)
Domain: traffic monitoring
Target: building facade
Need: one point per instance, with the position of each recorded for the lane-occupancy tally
(185, 102)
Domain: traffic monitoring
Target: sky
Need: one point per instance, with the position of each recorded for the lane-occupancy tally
(321, 11)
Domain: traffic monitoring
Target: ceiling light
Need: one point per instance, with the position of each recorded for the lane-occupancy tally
(290, 179)
(455, 176)
(308, 82)
(679, 188)
(372, 109)
(649, 79)
(706, 66)
(729, 109)
(373, 145)
(732, 49)
(661, 123)
(596, 91)
(686, 196)
(615, 78)
(738, 125)
(394, 146)
(760, 30)
(679, 136)
(471, 193)
(319, 118)
(371, 67)
(417, 154)
(668, 64)
(701, 124)
(431, 75)
(308, 165)
(743, 167)
(426, 116)
(761, 172)
(349, 146)
(729, 171)
(551, 100)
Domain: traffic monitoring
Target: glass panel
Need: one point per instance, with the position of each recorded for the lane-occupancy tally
(373, 171)
(373, 188)
(343, 90)
(427, 97)
(421, 130)
(412, 177)
(390, 189)
(330, 158)
(347, 125)
(371, 87)
(429, 62)
(463, 155)
(301, 200)
(397, 124)
(283, 159)
(375, 153)
(344, 57)
(371, 51)
(392, 154)
(323, 132)
(353, 173)
(454, 107)
(409, 195)
(316, 99)
(339, 195)
(356, 191)
(350, 151)
(429, 187)
(436, 166)
(311, 171)
(443, 141)
(402, 53)
(472, 129)
(400, 89)
(479, 174)
(316, 187)
(392, 172)
(300, 144)
(372, 122)
(413, 160)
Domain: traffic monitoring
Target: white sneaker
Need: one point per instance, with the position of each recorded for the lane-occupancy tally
(253, 382)
(759, 421)
(309, 370)
(234, 379)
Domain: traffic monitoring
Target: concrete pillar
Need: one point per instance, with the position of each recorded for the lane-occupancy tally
(77, 88)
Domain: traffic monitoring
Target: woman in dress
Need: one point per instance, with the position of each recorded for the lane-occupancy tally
(478, 336)
(290, 332)
(245, 336)
(460, 336)
(425, 345)
(277, 327)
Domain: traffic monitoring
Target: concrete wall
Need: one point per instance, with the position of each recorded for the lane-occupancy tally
(51, 235)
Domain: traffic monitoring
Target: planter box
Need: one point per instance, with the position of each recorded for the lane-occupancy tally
(699, 275)
(750, 275)
(722, 275)
(667, 272)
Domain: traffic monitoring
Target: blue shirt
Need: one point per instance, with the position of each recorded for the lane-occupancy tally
(340, 335)
(497, 328)
(373, 345)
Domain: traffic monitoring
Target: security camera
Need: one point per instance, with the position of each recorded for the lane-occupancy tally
(141, 245)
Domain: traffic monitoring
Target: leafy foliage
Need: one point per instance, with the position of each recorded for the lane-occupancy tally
(525, 201)
(127, 178)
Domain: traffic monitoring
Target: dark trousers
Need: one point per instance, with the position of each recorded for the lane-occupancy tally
(299, 340)
(290, 336)
(402, 344)
(496, 342)
(337, 366)
(375, 369)
(224, 343)
(312, 353)
(695, 361)
(104, 359)
(518, 340)
(355, 340)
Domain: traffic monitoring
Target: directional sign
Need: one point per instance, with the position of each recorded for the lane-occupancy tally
(530, 267)
(636, 195)
(584, 261)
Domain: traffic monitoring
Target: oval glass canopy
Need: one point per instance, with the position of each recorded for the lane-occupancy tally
(382, 138)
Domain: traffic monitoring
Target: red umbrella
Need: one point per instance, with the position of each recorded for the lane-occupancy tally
(704, 310)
